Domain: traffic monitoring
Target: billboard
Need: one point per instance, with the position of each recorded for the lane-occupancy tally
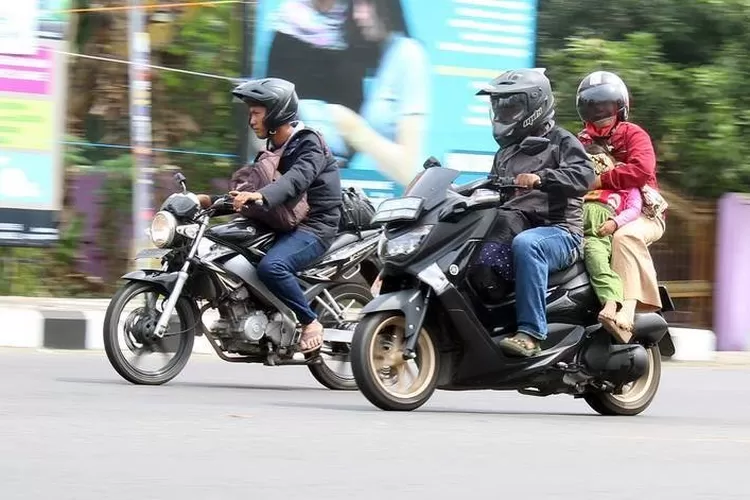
(392, 82)
(32, 110)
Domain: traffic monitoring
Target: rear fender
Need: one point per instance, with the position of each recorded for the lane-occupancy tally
(410, 302)
(666, 300)
(666, 345)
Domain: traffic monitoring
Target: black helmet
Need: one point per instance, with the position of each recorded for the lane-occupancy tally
(602, 95)
(521, 103)
(276, 95)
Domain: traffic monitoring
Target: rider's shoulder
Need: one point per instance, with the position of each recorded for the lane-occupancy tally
(559, 135)
(310, 137)
(631, 129)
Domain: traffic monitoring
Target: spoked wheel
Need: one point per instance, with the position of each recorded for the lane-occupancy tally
(384, 377)
(133, 350)
(636, 396)
(335, 371)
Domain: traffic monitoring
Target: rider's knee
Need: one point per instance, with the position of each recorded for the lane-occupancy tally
(524, 243)
(271, 269)
(626, 236)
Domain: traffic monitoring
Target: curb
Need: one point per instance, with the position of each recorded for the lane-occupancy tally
(69, 324)
(52, 323)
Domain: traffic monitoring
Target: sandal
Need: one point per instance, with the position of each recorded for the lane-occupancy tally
(616, 329)
(625, 326)
(312, 338)
(519, 346)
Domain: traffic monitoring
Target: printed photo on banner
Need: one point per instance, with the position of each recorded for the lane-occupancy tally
(392, 82)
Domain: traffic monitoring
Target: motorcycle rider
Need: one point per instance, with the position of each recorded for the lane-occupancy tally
(308, 168)
(603, 105)
(547, 217)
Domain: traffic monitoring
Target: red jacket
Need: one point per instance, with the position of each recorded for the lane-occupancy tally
(632, 147)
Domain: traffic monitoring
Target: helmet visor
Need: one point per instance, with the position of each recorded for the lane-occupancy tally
(508, 109)
(599, 103)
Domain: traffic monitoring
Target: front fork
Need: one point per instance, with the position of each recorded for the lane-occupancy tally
(182, 276)
(412, 330)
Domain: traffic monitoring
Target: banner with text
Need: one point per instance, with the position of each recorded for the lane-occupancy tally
(32, 109)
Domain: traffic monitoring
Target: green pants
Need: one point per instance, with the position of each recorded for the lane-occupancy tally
(597, 251)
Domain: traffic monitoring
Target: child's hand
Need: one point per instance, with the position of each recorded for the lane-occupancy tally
(607, 228)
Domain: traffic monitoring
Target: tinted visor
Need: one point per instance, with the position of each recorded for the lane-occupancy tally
(599, 103)
(508, 109)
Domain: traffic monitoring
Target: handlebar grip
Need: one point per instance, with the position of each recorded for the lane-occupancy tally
(504, 181)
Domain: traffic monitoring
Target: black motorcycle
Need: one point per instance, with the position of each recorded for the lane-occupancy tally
(432, 328)
(215, 265)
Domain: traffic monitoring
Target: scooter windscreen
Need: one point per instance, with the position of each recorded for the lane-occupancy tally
(432, 186)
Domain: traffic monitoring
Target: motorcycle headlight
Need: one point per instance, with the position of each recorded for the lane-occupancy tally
(403, 245)
(163, 228)
(398, 209)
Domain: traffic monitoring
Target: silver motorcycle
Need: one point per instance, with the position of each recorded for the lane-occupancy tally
(211, 269)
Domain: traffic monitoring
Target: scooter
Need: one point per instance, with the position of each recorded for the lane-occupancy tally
(431, 328)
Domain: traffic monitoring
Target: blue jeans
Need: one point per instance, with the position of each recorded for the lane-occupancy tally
(291, 253)
(538, 252)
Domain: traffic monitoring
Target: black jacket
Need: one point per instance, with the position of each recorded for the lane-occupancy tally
(566, 172)
(307, 166)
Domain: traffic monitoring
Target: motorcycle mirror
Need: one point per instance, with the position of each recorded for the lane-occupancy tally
(431, 162)
(180, 179)
(534, 145)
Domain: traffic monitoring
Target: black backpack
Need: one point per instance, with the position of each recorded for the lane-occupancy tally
(356, 212)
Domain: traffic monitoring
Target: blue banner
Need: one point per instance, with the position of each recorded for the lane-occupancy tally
(392, 82)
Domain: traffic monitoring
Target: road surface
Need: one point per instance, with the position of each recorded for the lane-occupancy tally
(70, 428)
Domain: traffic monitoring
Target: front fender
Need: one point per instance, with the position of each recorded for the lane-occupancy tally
(410, 302)
(162, 279)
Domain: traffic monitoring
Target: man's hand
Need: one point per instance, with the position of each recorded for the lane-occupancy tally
(242, 198)
(607, 228)
(528, 181)
(204, 200)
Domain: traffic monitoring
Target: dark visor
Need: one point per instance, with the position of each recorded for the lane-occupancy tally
(508, 109)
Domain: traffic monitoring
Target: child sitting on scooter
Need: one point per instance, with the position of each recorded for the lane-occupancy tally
(605, 211)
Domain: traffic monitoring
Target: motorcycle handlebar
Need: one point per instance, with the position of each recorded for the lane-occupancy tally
(491, 182)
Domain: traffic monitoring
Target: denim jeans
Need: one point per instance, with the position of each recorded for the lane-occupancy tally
(538, 252)
(291, 253)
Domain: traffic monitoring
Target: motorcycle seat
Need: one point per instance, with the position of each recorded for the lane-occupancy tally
(344, 239)
(568, 274)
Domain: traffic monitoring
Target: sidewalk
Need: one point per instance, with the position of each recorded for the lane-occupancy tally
(42, 322)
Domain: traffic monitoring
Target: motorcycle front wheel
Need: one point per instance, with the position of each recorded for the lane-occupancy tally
(129, 334)
(385, 378)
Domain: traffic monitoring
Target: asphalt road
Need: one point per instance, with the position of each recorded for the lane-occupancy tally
(71, 429)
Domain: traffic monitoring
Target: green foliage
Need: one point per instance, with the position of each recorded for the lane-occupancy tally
(686, 65)
(209, 43)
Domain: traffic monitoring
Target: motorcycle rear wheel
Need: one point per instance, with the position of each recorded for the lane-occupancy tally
(380, 369)
(322, 372)
(636, 396)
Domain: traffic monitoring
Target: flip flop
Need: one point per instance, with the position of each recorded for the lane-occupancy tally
(518, 347)
(311, 342)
